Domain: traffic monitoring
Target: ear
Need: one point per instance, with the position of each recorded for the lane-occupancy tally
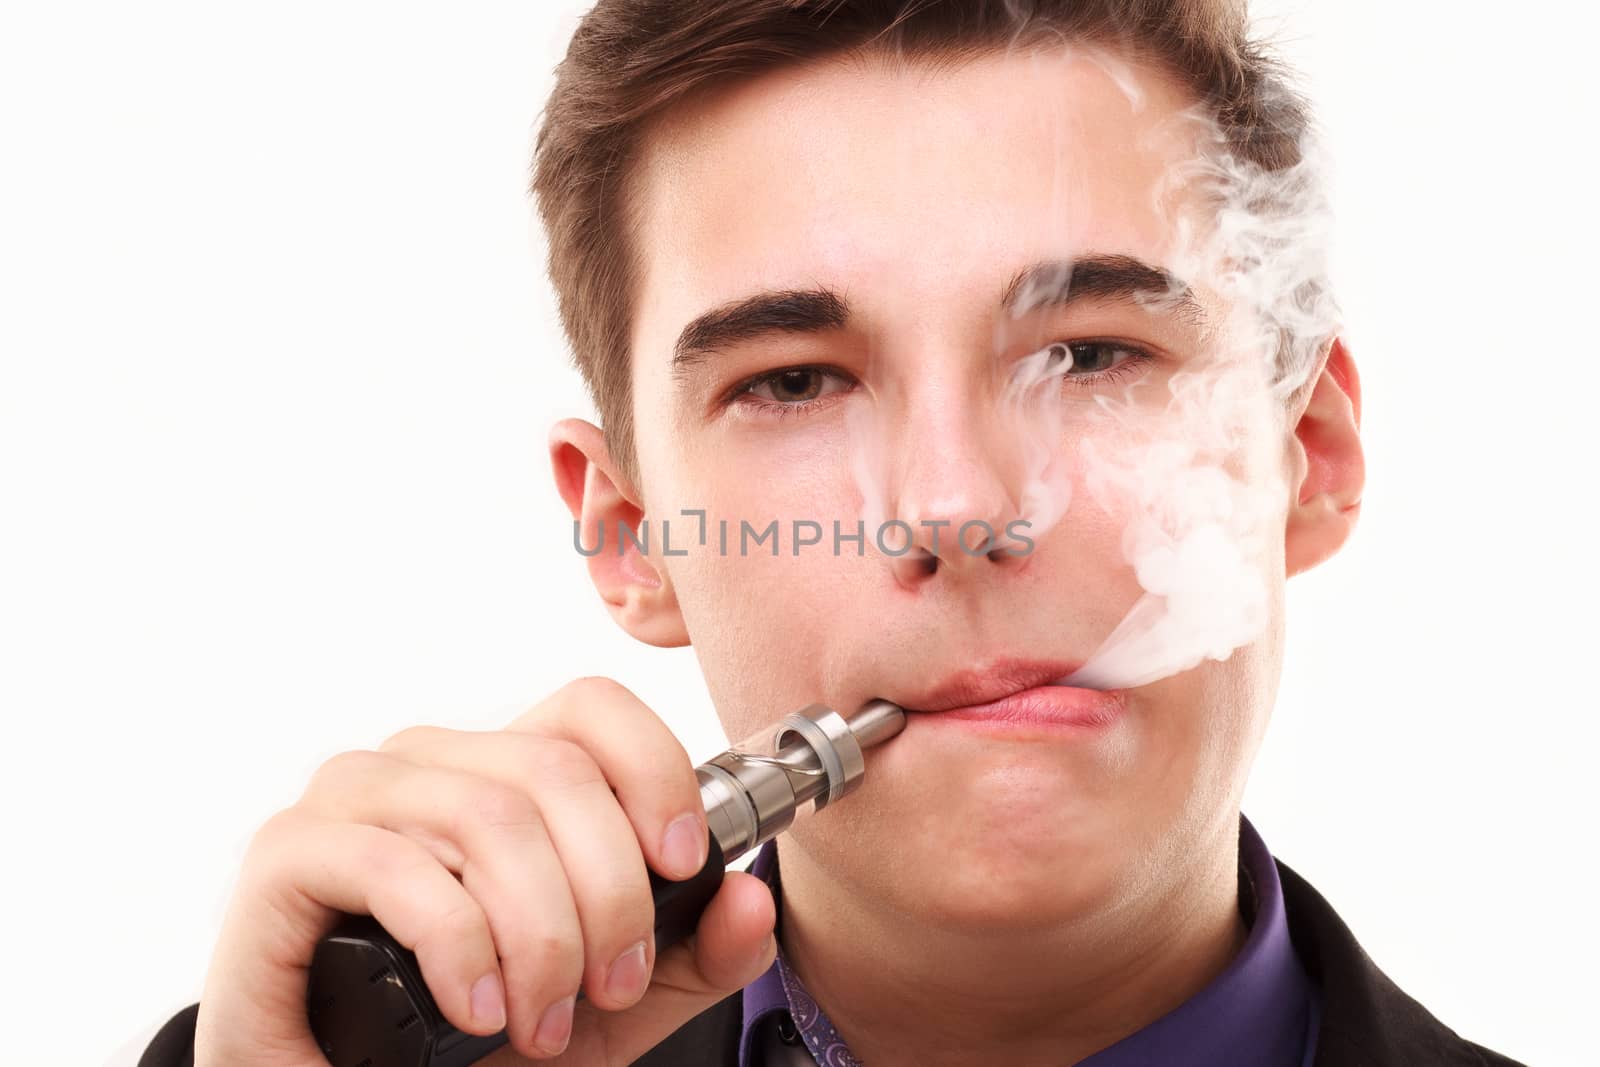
(1330, 465)
(602, 501)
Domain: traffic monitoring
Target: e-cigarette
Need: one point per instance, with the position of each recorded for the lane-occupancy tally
(367, 1002)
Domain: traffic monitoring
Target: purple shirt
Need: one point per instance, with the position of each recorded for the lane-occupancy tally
(1263, 1009)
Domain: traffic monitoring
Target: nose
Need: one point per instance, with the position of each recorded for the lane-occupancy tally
(952, 505)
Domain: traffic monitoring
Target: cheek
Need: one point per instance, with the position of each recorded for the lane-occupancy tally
(764, 625)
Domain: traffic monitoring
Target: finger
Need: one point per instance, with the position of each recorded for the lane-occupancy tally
(366, 870)
(641, 759)
(494, 835)
(732, 947)
(599, 852)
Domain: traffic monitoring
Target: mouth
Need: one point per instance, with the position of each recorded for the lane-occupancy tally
(1011, 692)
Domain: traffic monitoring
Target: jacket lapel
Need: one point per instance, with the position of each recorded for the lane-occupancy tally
(1367, 1020)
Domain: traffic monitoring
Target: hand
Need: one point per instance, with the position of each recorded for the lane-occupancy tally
(513, 863)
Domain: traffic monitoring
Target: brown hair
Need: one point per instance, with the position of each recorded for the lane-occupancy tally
(629, 60)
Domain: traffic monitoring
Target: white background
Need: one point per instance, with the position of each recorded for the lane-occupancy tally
(278, 362)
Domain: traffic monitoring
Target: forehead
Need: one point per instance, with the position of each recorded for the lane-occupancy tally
(910, 184)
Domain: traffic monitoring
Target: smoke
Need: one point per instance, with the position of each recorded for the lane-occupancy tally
(1195, 481)
(1203, 511)
(1038, 421)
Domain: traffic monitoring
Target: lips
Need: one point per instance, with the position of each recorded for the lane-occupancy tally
(987, 683)
(1011, 693)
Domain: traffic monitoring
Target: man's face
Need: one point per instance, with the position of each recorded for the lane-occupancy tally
(900, 210)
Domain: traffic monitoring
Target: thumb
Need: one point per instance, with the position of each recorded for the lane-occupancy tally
(732, 947)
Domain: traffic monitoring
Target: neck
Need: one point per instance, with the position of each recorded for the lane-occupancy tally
(902, 993)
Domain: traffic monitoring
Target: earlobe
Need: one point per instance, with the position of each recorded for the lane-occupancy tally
(636, 589)
(1330, 464)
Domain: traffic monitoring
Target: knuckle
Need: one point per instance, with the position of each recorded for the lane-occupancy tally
(553, 954)
(276, 825)
(458, 929)
(268, 840)
(411, 739)
(565, 765)
(590, 695)
(389, 857)
(353, 764)
(495, 806)
(586, 692)
(292, 829)
(595, 687)
(460, 922)
(624, 909)
(542, 963)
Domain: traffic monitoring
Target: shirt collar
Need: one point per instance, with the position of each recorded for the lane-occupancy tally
(1261, 1009)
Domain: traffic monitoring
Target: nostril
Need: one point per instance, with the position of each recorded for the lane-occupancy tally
(915, 567)
(1008, 547)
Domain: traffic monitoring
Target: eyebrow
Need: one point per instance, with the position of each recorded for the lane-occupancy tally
(771, 312)
(1049, 283)
(1058, 282)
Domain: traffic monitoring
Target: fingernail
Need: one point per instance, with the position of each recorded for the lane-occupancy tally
(555, 1026)
(625, 981)
(489, 1002)
(683, 847)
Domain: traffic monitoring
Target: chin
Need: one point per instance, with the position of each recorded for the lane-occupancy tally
(990, 893)
(980, 869)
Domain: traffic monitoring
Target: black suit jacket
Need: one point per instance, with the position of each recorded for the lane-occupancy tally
(1367, 1020)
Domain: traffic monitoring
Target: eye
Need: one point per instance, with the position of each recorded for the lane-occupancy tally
(791, 388)
(1084, 361)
